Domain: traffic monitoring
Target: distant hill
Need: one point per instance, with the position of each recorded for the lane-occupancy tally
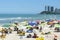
(48, 12)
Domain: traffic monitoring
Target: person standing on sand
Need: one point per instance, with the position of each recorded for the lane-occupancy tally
(35, 36)
(3, 34)
(40, 28)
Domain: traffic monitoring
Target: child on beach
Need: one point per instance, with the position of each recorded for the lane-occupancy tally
(3, 33)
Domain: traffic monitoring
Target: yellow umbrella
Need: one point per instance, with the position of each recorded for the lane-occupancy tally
(41, 38)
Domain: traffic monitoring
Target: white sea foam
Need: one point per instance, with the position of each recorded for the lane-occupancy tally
(10, 18)
(15, 18)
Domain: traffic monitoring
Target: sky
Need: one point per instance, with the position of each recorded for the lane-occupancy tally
(26, 6)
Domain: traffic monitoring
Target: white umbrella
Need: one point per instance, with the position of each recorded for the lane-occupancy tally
(46, 29)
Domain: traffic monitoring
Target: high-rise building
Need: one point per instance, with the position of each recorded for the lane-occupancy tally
(45, 8)
(57, 10)
(52, 9)
(48, 8)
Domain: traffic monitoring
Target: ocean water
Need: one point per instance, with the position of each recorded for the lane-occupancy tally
(7, 18)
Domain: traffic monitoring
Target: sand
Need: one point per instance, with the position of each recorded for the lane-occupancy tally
(14, 36)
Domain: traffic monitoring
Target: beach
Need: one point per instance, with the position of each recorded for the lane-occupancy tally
(29, 28)
(29, 20)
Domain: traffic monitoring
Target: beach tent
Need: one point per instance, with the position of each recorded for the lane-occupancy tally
(32, 23)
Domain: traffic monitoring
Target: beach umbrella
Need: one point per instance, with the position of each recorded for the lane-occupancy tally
(6, 25)
(46, 29)
(32, 23)
(57, 25)
(21, 27)
(28, 26)
(41, 38)
(38, 21)
(58, 20)
(14, 25)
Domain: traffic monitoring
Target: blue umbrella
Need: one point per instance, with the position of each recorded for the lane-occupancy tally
(32, 23)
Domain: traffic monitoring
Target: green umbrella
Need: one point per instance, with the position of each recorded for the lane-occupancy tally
(6, 25)
(28, 26)
(14, 25)
(57, 25)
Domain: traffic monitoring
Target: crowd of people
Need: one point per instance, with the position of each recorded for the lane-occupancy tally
(22, 32)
